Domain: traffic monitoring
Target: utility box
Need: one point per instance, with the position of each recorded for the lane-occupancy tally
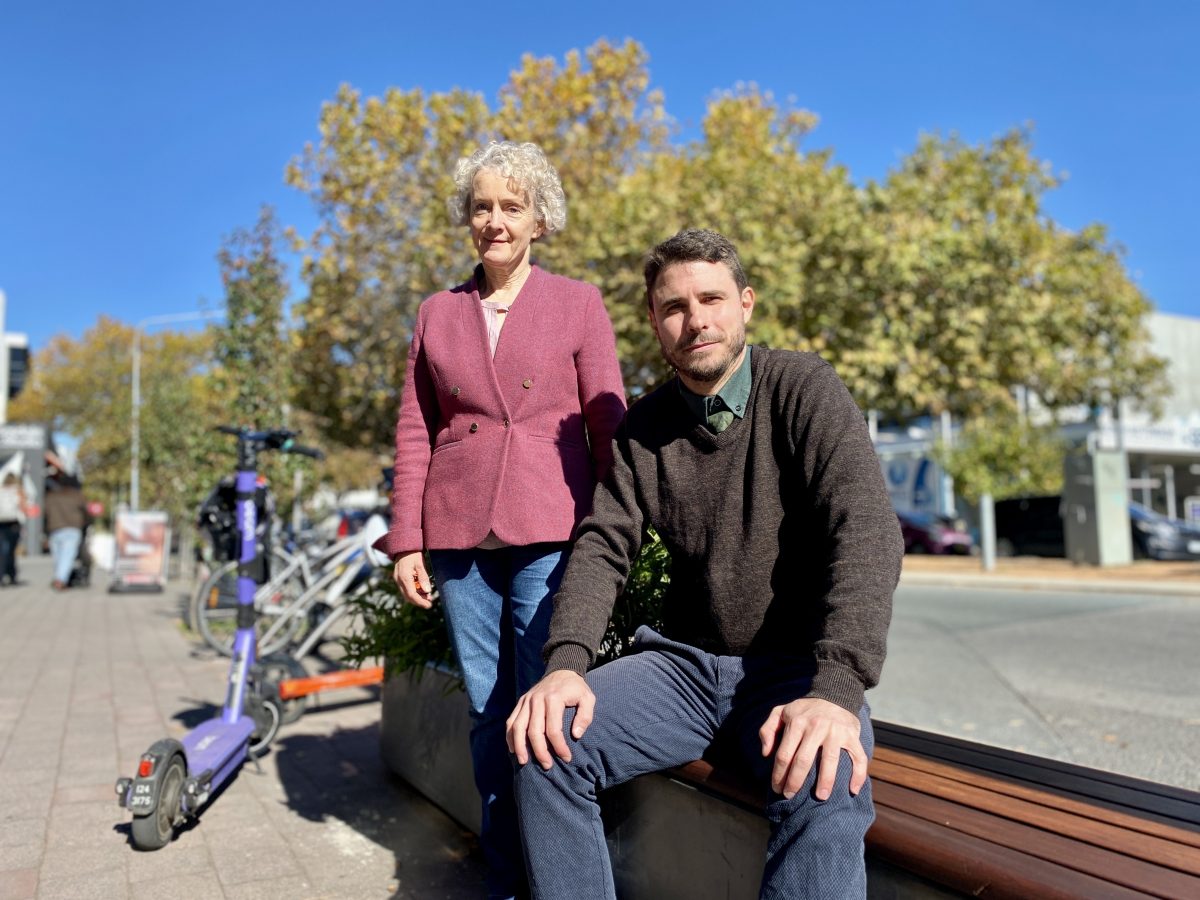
(1096, 508)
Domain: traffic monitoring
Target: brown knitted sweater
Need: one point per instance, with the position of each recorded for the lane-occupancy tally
(782, 538)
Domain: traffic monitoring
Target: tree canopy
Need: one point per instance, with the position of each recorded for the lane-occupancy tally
(943, 287)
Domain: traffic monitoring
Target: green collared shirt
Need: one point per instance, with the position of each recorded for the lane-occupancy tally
(719, 410)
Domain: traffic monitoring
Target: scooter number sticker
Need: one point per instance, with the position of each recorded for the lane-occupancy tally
(141, 800)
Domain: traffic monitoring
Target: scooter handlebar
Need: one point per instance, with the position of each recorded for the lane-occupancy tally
(305, 451)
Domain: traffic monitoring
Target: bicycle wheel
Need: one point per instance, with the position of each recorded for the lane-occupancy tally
(214, 607)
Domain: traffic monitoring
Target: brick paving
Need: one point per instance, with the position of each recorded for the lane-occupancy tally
(88, 680)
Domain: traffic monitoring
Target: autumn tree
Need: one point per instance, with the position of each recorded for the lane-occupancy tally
(980, 292)
(82, 387)
(943, 287)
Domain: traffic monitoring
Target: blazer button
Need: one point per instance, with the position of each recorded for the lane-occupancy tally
(454, 391)
(506, 423)
(527, 383)
(474, 427)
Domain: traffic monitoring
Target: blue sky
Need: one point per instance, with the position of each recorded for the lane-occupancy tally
(135, 136)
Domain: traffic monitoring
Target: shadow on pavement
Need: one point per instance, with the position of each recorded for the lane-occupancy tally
(342, 777)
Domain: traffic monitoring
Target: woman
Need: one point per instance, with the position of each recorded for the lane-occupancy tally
(12, 514)
(512, 395)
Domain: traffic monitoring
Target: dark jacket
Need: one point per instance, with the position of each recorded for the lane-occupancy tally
(65, 505)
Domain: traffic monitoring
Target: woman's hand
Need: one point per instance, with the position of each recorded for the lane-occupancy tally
(412, 579)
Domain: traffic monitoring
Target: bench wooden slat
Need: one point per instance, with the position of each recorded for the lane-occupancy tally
(1112, 814)
(1165, 802)
(1108, 864)
(979, 867)
(1037, 814)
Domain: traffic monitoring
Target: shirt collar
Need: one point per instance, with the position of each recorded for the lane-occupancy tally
(732, 397)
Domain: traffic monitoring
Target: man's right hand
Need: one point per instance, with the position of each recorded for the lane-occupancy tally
(536, 723)
(412, 579)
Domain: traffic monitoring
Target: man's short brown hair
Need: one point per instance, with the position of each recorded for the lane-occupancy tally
(693, 245)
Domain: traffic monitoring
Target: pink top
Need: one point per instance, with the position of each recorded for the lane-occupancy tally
(510, 444)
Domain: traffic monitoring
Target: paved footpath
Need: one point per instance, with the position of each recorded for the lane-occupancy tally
(88, 680)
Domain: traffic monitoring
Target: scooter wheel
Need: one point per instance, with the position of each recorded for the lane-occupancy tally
(266, 715)
(154, 830)
(277, 667)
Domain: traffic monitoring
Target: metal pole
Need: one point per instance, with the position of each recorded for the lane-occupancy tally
(135, 437)
(297, 512)
(987, 532)
(1169, 487)
(947, 429)
(873, 424)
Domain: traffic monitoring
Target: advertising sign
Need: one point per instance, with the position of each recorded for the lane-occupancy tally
(911, 482)
(143, 541)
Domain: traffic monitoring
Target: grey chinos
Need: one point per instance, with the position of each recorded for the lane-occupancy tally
(662, 706)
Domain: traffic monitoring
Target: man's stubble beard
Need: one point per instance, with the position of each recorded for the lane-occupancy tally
(704, 372)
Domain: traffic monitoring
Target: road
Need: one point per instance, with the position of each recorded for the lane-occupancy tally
(1103, 680)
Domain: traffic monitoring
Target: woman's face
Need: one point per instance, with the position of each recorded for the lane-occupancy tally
(503, 222)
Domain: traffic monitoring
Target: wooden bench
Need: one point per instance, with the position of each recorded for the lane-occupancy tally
(982, 821)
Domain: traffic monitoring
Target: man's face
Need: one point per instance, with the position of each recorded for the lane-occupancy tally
(699, 317)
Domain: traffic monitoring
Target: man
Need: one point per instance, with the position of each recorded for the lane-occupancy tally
(756, 469)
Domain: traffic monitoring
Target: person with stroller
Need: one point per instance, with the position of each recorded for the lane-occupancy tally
(66, 519)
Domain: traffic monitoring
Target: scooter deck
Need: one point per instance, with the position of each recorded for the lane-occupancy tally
(218, 746)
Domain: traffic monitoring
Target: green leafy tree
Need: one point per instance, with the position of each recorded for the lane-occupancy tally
(253, 352)
(1005, 456)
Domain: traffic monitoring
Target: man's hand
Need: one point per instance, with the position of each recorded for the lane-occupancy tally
(538, 717)
(412, 579)
(809, 725)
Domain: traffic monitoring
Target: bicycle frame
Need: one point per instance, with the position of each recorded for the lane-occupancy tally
(335, 577)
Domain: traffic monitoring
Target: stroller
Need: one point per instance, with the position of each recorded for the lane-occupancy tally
(81, 569)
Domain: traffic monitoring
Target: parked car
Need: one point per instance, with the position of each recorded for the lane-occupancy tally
(1157, 537)
(926, 532)
(1033, 526)
(1030, 526)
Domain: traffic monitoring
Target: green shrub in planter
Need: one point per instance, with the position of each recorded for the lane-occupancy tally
(407, 638)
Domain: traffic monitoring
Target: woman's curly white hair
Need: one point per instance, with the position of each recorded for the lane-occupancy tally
(524, 163)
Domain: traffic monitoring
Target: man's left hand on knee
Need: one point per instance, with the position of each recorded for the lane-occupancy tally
(798, 731)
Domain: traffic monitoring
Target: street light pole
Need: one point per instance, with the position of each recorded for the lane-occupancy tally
(135, 434)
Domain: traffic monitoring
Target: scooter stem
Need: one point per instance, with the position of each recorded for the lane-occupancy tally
(243, 641)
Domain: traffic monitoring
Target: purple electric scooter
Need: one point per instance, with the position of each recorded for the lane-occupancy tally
(176, 778)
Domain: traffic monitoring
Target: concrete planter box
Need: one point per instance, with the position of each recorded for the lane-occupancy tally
(666, 837)
(424, 729)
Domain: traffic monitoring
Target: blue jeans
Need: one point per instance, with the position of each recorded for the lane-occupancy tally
(498, 608)
(663, 705)
(64, 547)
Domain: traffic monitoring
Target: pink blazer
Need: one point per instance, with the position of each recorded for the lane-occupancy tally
(513, 444)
